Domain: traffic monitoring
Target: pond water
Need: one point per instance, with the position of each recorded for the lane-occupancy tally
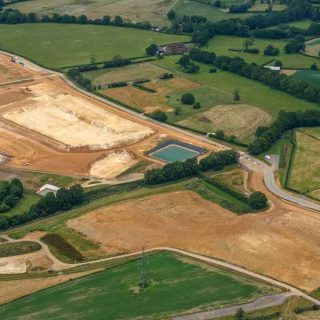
(174, 153)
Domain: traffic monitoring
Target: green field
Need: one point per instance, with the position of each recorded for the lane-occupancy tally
(43, 43)
(8, 249)
(136, 10)
(190, 7)
(29, 198)
(221, 45)
(304, 174)
(206, 96)
(310, 76)
(251, 92)
(177, 285)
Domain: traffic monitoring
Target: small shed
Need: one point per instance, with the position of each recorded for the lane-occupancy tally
(47, 188)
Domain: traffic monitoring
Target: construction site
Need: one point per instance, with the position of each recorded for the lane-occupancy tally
(63, 131)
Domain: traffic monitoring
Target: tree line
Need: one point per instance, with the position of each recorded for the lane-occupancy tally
(203, 31)
(271, 78)
(10, 194)
(14, 16)
(265, 136)
(190, 168)
(64, 200)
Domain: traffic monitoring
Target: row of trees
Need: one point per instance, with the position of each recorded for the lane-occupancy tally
(190, 167)
(203, 32)
(266, 136)
(77, 77)
(10, 194)
(11, 16)
(64, 200)
(273, 79)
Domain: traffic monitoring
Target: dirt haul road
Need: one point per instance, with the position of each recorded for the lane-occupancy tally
(48, 117)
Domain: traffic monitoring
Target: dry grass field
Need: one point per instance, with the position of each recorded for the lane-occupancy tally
(313, 47)
(305, 168)
(128, 73)
(136, 10)
(185, 220)
(147, 101)
(239, 120)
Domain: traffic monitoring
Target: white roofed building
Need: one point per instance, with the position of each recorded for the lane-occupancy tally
(47, 188)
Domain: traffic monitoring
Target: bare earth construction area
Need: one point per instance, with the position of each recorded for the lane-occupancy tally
(72, 120)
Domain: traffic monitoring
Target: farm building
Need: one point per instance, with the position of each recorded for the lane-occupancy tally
(273, 68)
(174, 48)
(47, 188)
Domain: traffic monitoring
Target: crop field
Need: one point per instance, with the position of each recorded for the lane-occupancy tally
(42, 43)
(177, 285)
(148, 101)
(310, 76)
(305, 168)
(128, 73)
(212, 230)
(136, 10)
(221, 45)
(190, 7)
(313, 47)
(251, 92)
(232, 119)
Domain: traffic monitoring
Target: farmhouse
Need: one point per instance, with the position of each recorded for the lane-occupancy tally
(174, 48)
(47, 188)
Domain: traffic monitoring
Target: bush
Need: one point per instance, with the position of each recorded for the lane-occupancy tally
(117, 84)
(152, 50)
(187, 98)
(314, 66)
(271, 51)
(197, 105)
(253, 51)
(213, 70)
(257, 200)
(4, 208)
(159, 115)
(219, 134)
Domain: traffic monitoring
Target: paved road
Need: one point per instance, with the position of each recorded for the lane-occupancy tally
(259, 303)
(270, 182)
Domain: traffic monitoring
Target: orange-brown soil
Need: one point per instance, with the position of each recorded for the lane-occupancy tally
(37, 151)
(282, 242)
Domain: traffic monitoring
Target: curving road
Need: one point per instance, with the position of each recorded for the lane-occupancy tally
(254, 164)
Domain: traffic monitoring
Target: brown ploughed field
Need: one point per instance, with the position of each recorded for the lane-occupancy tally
(282, 242)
